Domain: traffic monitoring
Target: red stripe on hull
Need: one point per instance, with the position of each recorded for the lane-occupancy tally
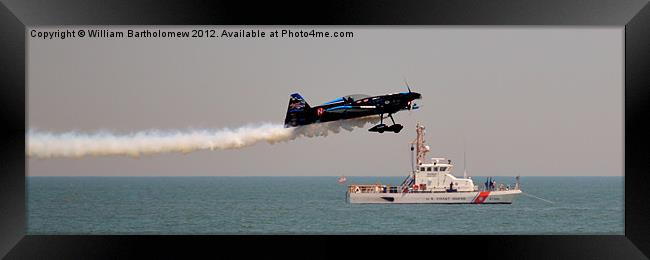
(482, 196)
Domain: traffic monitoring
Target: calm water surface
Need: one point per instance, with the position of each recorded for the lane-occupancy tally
(312, 205)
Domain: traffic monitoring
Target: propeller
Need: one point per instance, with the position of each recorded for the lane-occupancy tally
(411, 104)
(407, 85)
(409, 88)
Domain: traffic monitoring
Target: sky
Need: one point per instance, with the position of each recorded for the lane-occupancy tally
(529, 101)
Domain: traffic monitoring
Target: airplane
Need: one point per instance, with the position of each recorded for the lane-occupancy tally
(351, 106)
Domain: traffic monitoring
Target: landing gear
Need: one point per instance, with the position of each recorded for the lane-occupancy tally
(378, 128)
(395, 128)
(381, 127)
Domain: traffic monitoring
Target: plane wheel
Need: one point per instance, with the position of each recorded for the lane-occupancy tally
(396, 128)
(380, 131)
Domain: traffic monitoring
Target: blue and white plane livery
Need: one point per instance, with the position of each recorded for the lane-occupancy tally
(351, 106)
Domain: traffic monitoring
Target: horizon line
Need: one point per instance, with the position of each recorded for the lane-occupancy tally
(308, 176)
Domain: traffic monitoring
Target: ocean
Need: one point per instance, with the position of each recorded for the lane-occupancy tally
(309, 205)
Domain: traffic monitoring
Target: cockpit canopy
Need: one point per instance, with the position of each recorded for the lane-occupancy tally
(351, 98)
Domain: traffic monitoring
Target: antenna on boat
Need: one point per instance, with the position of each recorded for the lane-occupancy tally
(464, 159)
(412, 161)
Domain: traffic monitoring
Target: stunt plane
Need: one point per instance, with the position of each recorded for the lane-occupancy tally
(351, 106)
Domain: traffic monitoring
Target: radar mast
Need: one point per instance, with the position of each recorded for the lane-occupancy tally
(420, 149)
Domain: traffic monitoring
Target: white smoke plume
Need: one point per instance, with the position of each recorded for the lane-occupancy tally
(73, 144)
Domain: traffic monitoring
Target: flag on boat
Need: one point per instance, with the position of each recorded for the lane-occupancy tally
(342, 179)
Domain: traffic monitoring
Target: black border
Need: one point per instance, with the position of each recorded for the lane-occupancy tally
(15, 15)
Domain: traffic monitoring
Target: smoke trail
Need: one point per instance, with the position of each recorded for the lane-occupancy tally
(72, 144)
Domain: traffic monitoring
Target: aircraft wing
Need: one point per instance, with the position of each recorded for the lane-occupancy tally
(345, 109)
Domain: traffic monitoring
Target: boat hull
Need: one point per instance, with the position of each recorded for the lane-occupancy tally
(473, 197)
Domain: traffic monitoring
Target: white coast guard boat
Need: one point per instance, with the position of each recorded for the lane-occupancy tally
(433, 183)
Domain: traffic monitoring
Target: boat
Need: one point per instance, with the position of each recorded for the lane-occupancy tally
(433, 183)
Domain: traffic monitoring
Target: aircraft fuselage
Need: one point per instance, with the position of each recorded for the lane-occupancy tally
(300, 113)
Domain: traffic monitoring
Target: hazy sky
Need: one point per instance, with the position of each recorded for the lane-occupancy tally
(527, 100)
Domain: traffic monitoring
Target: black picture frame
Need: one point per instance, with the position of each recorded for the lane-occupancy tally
(633, 15)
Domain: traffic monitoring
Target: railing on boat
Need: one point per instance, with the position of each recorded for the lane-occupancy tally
(378, 188)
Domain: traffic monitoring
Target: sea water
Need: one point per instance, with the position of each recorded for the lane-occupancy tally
(309, 205)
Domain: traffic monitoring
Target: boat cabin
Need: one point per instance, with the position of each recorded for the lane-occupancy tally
(436, 176)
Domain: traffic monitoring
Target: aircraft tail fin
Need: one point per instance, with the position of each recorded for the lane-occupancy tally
(297, 111)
